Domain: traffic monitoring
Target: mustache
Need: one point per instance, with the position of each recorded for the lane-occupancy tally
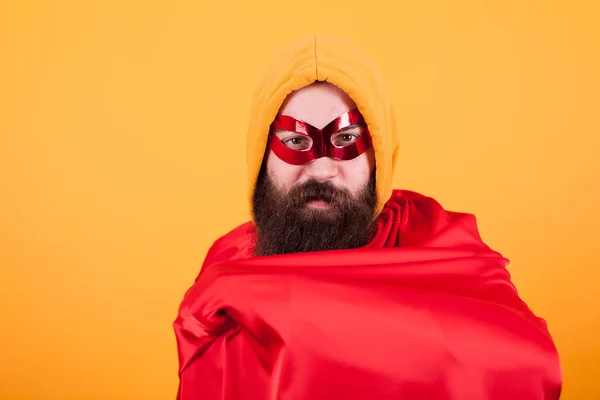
(315, 190)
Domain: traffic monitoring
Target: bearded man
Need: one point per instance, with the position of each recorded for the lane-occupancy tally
(339, 286)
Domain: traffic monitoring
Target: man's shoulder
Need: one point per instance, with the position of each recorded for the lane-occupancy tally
(424, 216)
(235, 244)
(422, 200)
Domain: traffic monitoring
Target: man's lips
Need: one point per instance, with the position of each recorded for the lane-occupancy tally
(318, 203)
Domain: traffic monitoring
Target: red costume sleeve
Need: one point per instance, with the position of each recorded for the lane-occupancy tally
(425, 311)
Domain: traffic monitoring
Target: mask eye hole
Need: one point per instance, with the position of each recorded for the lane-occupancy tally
(347, 136)
(295, 141)
(344, 139)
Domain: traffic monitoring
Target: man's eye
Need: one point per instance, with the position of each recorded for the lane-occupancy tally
(344, 139)
(298, 142)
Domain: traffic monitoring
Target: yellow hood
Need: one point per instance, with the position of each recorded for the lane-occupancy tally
(320, 57)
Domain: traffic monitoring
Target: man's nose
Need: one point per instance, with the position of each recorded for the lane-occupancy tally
(322, 169)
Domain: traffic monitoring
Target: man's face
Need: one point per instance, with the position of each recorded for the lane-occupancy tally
(325, 204)
(319, 104)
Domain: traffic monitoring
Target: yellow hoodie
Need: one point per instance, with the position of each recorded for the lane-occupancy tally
(320, 57)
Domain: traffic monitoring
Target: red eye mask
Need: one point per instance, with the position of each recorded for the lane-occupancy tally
(307, 143)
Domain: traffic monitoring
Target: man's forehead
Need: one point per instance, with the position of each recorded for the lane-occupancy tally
(317, 104)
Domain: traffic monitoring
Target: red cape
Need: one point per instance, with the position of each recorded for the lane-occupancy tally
(425, 311)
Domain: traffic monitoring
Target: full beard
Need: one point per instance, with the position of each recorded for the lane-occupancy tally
(286, 224)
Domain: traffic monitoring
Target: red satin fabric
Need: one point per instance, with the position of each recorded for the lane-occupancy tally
(425, 311)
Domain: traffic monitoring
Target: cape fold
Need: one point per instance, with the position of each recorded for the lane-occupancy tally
(425, 311)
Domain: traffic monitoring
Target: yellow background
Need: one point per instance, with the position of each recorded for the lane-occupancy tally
(122, 157)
